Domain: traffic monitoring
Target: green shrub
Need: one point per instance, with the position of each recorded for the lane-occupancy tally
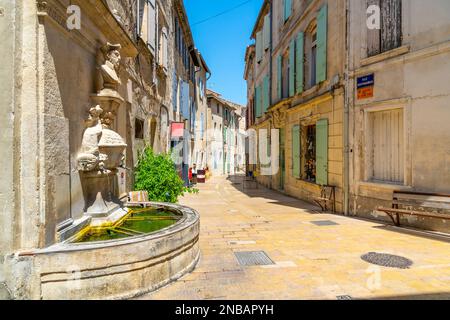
(156, 174)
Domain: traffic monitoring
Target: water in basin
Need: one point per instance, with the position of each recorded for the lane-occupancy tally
(137, 222)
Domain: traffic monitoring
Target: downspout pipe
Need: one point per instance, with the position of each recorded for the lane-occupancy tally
(347, 100)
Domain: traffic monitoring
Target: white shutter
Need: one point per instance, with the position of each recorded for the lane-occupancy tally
(165, 49)
(151, 25)
(387, 146)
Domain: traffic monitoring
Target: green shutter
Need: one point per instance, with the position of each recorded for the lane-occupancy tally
(296, 151)
(292, 69)
(287, 9)
(266, 93)
(322, 152)
(299, 64)
(257, 106)
(321, 67)
(259, 46)
(279, 76)
(266, 31)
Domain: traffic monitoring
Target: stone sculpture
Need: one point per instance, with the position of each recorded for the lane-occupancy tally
(102, 149)
(89, 156)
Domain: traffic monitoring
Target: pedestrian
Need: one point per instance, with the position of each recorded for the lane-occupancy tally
(194, 174)
(190, 176)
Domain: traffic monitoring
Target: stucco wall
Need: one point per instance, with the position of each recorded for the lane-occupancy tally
(415, 78)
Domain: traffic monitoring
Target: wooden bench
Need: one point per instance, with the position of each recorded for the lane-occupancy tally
(407, 203)
(138, 199)
(327, 197)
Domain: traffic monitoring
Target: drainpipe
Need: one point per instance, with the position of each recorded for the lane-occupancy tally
(347, 99)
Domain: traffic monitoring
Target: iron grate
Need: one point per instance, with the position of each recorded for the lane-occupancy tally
(253, 258)
(387, 260)
(323, 223)
(344, 297)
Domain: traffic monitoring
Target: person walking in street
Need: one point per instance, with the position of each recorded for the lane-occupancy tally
(194, 174)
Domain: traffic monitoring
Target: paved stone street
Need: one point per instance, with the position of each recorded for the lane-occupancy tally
(311, 261)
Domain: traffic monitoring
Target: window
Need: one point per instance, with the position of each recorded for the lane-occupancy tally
(139, 128)
(386, 146)
(309, 154)
(390, 35)
(163, 50)
(311, 56)
(151, 25)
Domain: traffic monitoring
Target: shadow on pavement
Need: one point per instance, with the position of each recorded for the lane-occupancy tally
(255, 190)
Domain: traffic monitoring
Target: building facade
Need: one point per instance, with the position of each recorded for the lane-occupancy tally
(399, 124)
(226, 137)
(59, 58)
(295, 79)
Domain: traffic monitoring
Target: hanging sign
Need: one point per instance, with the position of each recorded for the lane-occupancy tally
(365, 86)
(177, 129)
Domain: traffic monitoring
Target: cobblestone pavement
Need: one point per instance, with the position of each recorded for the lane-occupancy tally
(311, 261)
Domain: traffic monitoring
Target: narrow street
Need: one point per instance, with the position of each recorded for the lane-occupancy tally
(311, 261)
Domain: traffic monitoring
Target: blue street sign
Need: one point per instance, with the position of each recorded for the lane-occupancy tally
(365, 81)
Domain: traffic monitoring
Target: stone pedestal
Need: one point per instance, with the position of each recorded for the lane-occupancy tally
(101, 193)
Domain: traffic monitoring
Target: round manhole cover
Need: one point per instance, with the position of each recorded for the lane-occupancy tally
(387, 260)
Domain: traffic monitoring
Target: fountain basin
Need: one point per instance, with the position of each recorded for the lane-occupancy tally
(118, 268)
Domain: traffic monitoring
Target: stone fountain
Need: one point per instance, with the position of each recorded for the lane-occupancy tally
(102, 149)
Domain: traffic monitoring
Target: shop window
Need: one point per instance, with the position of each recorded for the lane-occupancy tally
(309, 152)
(139, 128)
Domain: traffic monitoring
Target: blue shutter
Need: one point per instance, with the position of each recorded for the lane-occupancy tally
(259, 46)
(296, 151)
(322, 152)
(321, 62)
(292, 69)
(299, 64)
(279, 76)
(266, 32)
(266, 94)
(287, 9)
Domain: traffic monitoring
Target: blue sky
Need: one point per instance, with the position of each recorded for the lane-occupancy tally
(222, 41)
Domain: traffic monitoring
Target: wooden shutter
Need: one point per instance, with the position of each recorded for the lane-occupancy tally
(266, 32)
(287, 9)
(266, 94)
(296, 151)
(151, 25)
(321, 62)
(259, 46)
(373, 36)
(292, 69)
(391, 24)
(322, 152)
(299, 63)
(386, 142)
(279, 76)
(258, 101)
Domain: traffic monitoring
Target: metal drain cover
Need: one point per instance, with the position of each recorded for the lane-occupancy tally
(344, 297)
(253, 258)
(387, 260)
(323, 223)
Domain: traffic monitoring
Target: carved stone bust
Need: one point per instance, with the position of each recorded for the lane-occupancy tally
(110, 68)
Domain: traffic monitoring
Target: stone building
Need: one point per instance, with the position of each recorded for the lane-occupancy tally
(139, 55)
(399, 123)
(295, 79)
(226, 139)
